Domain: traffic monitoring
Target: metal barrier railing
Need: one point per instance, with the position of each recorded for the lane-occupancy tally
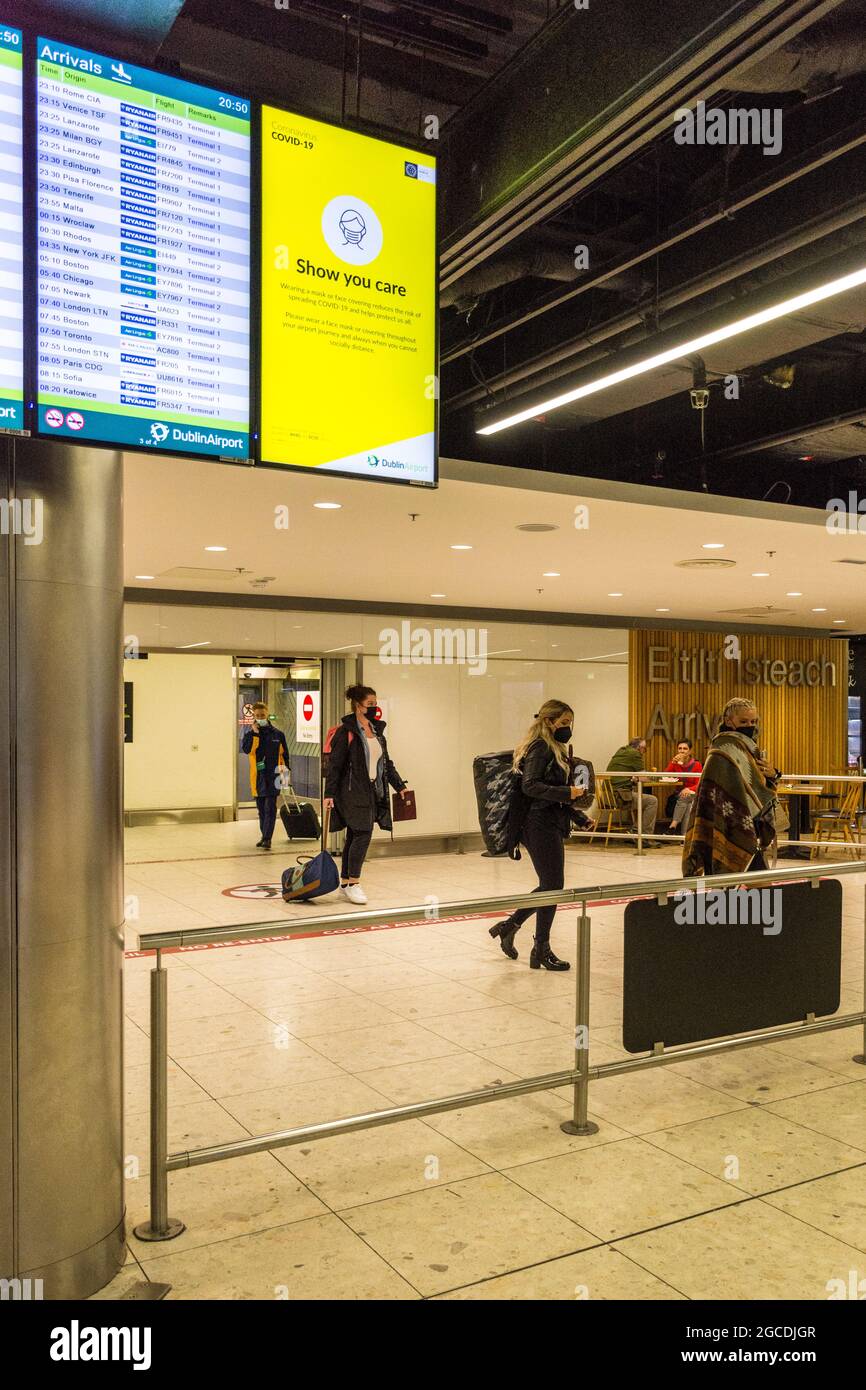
(162, 1227)
(641, 779)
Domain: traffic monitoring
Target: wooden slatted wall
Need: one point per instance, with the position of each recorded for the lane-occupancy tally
(803, 728)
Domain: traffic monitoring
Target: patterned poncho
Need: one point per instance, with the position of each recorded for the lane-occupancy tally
(734, 809)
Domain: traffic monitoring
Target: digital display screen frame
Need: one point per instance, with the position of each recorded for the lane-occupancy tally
(213, 353)
(12, 359)
(317, 248)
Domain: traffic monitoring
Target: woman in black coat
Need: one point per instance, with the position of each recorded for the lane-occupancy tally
(356, 787)
(542, 760)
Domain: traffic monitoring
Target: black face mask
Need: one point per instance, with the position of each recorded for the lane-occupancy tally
(562, 735)
(748, 729)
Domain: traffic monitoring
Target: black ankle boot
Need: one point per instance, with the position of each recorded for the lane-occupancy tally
(506, 931)
(542, 956)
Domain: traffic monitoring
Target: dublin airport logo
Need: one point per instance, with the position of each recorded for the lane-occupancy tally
(372, 460)
(159, 433)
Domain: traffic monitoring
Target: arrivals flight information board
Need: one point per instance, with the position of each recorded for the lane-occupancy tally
(143, 257)
(11, 224)
(349, 306)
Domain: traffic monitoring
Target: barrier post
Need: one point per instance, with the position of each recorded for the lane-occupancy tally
(639, 801)
(580, 1124)
(160, 1226)
(861, 1056)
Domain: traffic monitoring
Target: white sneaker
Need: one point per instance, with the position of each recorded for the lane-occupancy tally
(355, 893)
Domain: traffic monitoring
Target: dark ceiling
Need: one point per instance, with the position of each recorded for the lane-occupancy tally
(557, 133)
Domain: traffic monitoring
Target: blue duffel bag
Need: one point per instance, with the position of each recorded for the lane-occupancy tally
(314, 875)
(311, 878)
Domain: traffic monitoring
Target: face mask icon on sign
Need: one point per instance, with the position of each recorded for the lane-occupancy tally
(353, 227)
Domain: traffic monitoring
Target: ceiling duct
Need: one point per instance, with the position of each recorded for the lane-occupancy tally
(542, 263)
(815, 62)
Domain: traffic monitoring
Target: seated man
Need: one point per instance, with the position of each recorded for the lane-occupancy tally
(629, 758)
(681, 803)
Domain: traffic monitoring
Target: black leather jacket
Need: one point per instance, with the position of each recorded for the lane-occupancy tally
(545, 783)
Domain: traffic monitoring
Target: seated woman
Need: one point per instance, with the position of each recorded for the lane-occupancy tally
(680, 803)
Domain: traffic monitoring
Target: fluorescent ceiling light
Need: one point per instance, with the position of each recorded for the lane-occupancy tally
(840, 620)
(144, 576)
(663, 610)
(684, 349)
(216, 547)
(551, 574)
(794, 593)
(760, 574)
(614, 595)
(713, 545)
(461, 547)
(819, 610)
(328, 506)
(438, 595)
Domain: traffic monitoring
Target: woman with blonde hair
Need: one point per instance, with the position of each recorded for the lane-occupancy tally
(541, 759)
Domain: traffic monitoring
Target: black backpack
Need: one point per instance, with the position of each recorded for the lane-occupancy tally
(500, 800)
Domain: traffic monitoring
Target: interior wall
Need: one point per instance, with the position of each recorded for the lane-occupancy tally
(184, 722)
(441, 714)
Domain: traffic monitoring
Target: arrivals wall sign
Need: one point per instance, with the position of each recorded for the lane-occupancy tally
(702, 666)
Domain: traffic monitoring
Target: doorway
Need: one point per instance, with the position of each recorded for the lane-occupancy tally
(292, 693)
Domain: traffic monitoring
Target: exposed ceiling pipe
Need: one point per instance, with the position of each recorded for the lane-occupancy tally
(542, 263)
(799, 67)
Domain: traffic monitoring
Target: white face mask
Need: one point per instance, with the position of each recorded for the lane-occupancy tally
(262, 722)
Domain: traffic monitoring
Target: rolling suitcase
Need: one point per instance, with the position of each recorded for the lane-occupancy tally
(299, 818)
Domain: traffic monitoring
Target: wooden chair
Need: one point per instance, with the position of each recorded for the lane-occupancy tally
(616, 815)
(839, 823)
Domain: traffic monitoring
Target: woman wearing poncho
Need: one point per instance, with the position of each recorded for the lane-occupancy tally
(735, 804)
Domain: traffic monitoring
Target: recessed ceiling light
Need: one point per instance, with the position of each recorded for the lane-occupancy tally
(438, 595)
(760, 574)
(144, 576)
(328, 506)
(614, 595)
(713, 545)
(840, 620)
(663, 610)
(461, 547)
(216, 547)
(793, 593)
(819, 610)
(551, 574)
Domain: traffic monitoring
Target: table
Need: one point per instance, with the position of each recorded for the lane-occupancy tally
(799, 811)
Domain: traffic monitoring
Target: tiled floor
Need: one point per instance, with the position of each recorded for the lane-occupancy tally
(741, 1176)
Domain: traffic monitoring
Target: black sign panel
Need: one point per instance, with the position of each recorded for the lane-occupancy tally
(771, 961)
(128, 693)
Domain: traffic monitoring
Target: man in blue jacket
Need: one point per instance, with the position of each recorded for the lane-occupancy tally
(268, 754)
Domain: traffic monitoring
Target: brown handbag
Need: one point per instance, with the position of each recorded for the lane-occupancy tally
(403, 807)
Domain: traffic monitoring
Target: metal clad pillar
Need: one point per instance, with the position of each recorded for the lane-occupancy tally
(61, 842)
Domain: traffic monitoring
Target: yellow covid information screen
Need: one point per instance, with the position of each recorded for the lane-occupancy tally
(348, 352)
